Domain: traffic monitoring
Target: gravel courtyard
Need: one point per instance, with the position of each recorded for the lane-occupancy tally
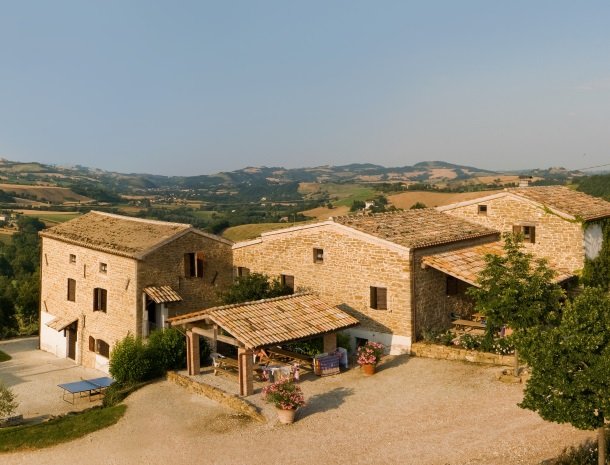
(413, 411)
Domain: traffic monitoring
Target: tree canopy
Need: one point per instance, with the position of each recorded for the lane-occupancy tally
(570, 381)
(254, 286)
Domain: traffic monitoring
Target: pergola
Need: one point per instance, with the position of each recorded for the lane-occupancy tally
(261, 323)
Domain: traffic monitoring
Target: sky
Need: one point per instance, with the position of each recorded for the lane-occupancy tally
(198, 87)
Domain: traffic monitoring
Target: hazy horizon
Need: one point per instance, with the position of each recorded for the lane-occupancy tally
(202, 87)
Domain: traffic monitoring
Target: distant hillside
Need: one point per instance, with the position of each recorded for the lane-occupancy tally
(255, 184)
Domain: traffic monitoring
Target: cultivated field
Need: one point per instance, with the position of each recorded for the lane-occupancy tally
(50, 217)
(434, 199)
(45, 193)
(245, 232)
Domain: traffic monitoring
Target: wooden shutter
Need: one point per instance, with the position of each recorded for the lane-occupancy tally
(288, 281)
(373, 297)
(532, 234)
(71, 290)
(91, 344)
(382, 298)
(516, 230)
(199, 264)
(104, 296)
(189, 265)
(96, 299)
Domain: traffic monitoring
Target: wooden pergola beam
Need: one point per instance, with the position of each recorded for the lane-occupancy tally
(211, 334)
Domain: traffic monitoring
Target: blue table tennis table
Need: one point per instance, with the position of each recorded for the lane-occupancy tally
(90, 387)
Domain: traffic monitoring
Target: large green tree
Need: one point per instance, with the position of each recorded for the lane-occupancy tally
(517, 290)
(570, 364)
(254, 286)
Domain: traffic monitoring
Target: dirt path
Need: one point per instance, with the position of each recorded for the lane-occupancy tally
(414, 411)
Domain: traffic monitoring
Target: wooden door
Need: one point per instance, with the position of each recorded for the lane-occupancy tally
(71, 335)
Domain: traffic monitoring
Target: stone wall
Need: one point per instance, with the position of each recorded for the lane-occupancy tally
(558, 239)
(352, 263)
(440, 352)
(432, 305)
(165, 266)
(124, 281)
(119, 280)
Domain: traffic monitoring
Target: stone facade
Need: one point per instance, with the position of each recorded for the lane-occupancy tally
(124, 279)
(557, 238)
(352, 263)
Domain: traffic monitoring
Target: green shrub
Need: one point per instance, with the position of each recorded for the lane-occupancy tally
(116, 393)
(470, 342)
(446, 338)
(130, 362)
(204, 351)
(585, 454)
(166, 349)
(8, 404)
(310, 347)
(343, 340)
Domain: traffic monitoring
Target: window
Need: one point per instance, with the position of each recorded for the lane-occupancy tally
(318, 255)
(99, 299)
(103, 267)
(482, 210)
(103, 348)
(528, 233)
(72, 258)
(193, 265)
(71, 290)
(91, 344)
(451, 285)
(242, 271)
(379, 298)
(287, 281)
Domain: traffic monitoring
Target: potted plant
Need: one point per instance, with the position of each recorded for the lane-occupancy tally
(369, 355)
(287, 398)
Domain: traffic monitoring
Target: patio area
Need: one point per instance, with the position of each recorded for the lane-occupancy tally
(33, 375)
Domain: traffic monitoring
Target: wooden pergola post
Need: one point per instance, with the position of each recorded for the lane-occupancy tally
(245, 366)
(193, 363)
(330, 342)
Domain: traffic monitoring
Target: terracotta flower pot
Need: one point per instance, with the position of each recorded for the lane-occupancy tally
(368, 369)
(286, 416)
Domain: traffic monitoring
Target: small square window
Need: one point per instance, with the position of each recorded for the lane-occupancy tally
(72, 258)
(482, 210)
(287, 281)
(242, 271)
(527, 232)
(103, 267)
(318, 255)
(379, 298)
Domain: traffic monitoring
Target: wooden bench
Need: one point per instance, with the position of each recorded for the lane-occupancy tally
(290, 357)
(468, 325)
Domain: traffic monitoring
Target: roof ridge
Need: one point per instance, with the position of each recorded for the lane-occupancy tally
(140, 220)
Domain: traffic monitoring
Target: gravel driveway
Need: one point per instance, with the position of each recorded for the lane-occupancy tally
(413, 411)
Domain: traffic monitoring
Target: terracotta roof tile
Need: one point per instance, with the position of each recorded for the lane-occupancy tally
(274, 321)
(466, 264)
(416, 228)
(116, 234)
(577, 204)
(162, 294)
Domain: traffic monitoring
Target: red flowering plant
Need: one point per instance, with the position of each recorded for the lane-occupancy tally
(284, 395)
(370, 353)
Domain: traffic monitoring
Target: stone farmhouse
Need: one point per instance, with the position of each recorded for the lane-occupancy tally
(371, 266)
(556, 222)
(105, 276)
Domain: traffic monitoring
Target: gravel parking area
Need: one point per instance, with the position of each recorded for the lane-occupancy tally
(413, 411)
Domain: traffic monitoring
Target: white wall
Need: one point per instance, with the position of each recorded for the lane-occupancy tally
(51, 340)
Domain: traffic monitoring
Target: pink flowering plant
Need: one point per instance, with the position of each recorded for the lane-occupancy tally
(284, 395)
(370, 353)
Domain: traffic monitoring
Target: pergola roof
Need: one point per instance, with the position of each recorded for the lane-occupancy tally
(273, 321)
(466, 264)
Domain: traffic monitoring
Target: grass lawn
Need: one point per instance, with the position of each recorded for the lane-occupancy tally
(244, 232)
(4, 356)
(59, 430)
(56, 217)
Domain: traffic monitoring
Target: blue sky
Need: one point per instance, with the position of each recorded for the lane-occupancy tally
(200, 87)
